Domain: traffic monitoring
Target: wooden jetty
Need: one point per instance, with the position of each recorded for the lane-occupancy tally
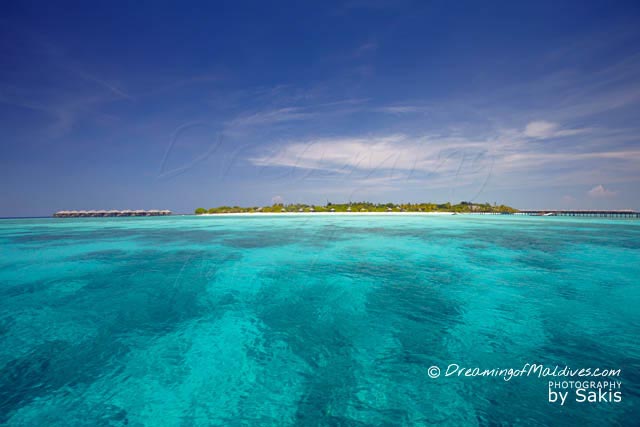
(111, 213)
(627, 213)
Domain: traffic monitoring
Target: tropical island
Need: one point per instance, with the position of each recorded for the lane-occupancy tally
(462, 207)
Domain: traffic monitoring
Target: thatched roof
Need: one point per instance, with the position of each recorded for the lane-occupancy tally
(113, 212)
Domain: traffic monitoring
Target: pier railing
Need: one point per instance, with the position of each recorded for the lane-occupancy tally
(583, 213)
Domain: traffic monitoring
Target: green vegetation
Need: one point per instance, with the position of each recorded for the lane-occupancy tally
(462, 207)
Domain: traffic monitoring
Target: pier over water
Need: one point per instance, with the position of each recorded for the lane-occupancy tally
(583, 213)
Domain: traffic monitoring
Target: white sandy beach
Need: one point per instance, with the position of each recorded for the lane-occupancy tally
(328, 213)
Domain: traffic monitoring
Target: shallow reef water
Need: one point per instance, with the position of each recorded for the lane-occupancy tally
(313, 320)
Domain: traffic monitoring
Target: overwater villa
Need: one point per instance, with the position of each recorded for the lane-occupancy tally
(111, 213)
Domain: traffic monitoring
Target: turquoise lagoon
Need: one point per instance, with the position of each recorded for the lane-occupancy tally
(313, 320)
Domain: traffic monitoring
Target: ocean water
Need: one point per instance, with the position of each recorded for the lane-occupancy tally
(324, 320)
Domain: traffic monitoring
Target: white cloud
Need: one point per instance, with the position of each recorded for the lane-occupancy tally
(399, 160)
(391, 162)
(337, 153)
(271, 117)
(599, 192)
(525, 160)
(544, 130)
(400, 109)
(390, 152)
(540, 129)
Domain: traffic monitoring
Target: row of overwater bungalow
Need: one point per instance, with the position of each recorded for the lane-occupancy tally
(111, 213)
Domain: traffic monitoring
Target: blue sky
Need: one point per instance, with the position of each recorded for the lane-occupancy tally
(116, 105)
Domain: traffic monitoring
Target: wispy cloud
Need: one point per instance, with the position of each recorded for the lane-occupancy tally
(303, 111)
(76, 93)
(387, 156)
(547, 130)
(400, 109)
(394, 160)
(365, 49)
(102, 83)
(61, 113)
(340, 154)
(270, 117)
